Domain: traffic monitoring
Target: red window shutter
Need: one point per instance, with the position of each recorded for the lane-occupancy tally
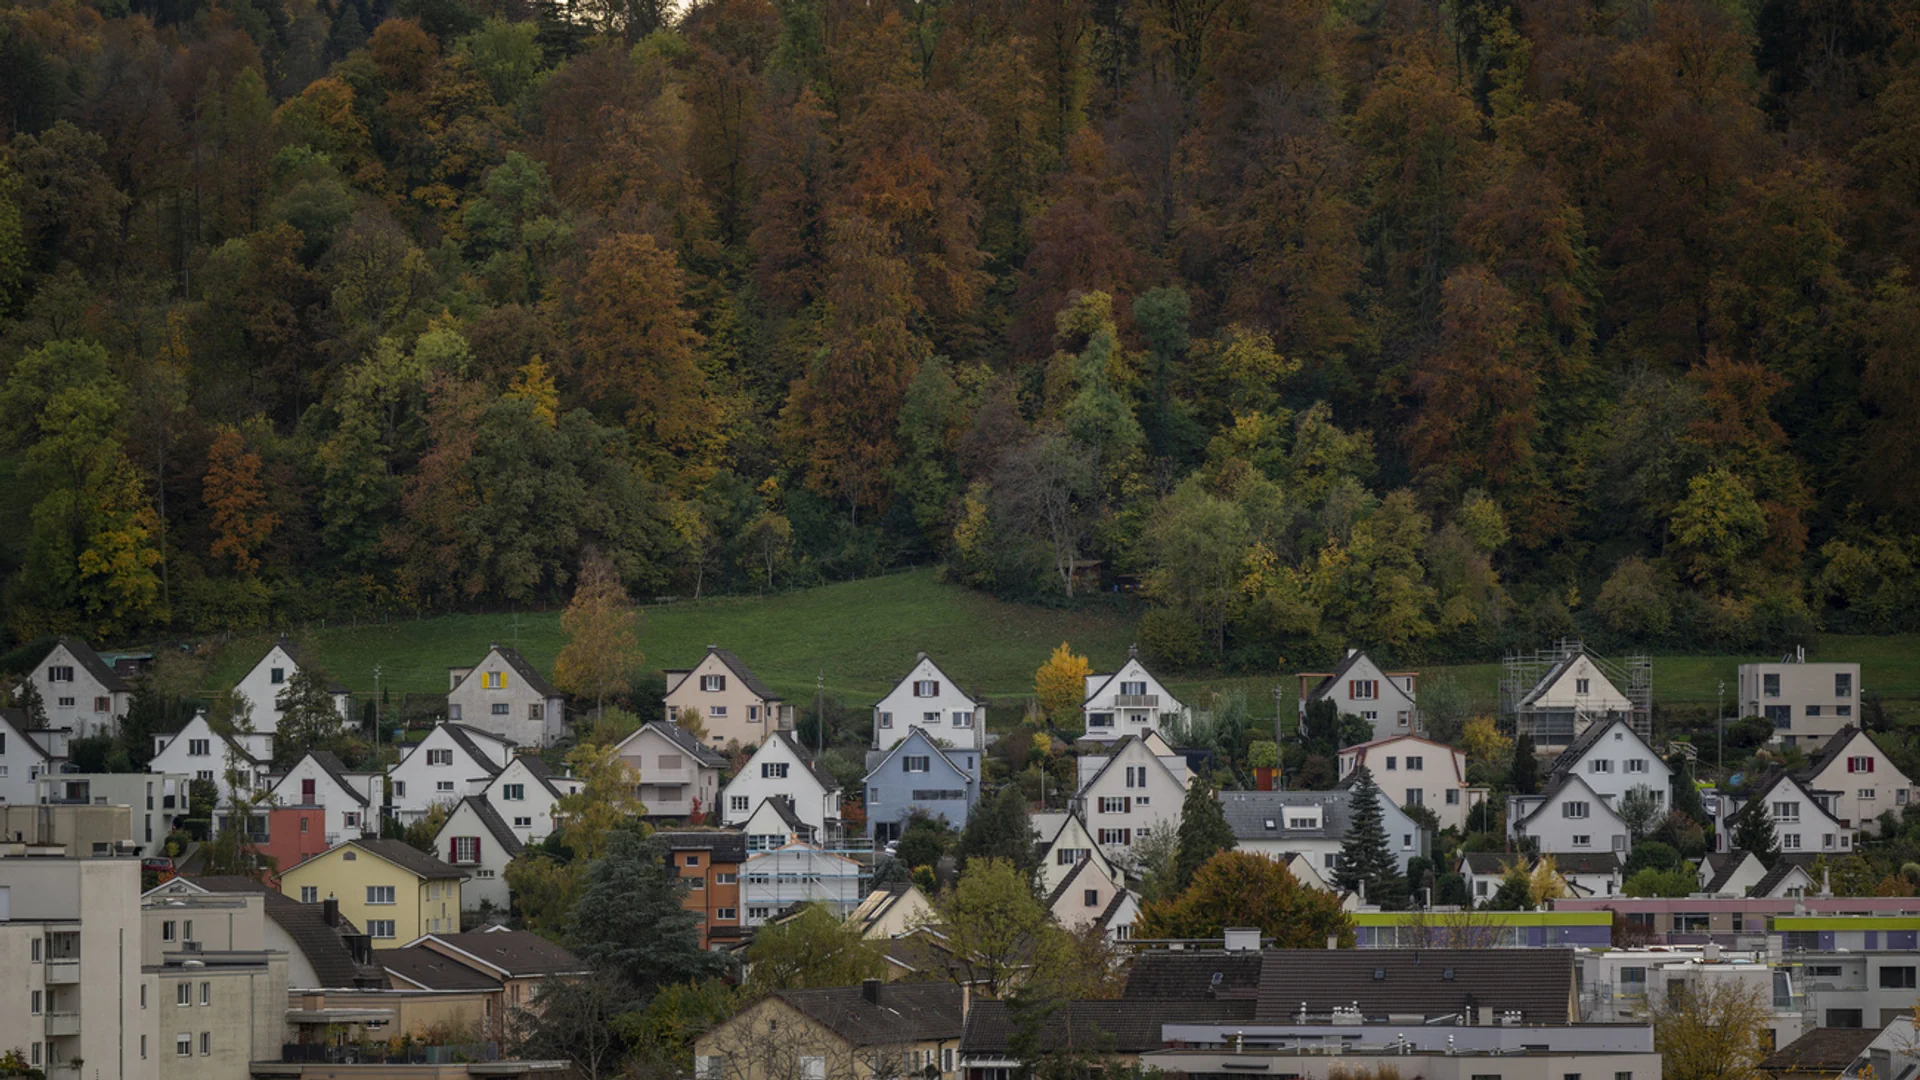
(935, 684)
(1870, 764)
(1850, 767)
(1353, 688)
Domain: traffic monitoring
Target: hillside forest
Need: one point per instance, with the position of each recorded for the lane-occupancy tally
(1432, 327)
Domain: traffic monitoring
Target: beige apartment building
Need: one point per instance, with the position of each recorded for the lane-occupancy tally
(1807, 703)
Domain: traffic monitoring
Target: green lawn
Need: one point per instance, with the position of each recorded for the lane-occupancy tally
(859, 636)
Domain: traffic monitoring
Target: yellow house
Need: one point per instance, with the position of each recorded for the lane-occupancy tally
(394, 891)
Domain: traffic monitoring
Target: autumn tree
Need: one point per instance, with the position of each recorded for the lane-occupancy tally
(1238, 888)
(1711, 1030)
(1060, 686)
(603, 643)
(237, 502)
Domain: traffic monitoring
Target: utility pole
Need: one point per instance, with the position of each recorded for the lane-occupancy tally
(1720, 728)
(819, 712)
(376, 708)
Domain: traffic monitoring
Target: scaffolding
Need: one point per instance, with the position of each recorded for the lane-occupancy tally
(1561, 722)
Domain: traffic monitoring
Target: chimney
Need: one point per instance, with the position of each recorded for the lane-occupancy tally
(1711, 954)
(330, 910)
(870, 991)
(1241, 939)
(921, 655)
(1333, 942)
(1350, 652)
(966, 1000)
(1133, 652)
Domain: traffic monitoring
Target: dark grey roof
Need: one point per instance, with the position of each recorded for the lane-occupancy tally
(905, 1012)
(1248, 812)
(1491, 862)
(333, 685)
(331, 764)
(684, 739)
(1822, 1050)
(16, 719)
(531, 674)
(880, 758)
(494, 823)
(727, 845)
(1570, 862)
(517, 952)
(783, 805)
(435, 971)
(1554, 673)
(96, 667)
(1419, 982)
(1727, 865)
(1098, 1027)
(1326, 685)
(740, 671)
(1833, 748)
(537, 766)
(1067, 882)
(325, 947)
(409, 858)
(1188, 975)
(1772, 879)
(821, 775)
(463, 736)
(1570, 757)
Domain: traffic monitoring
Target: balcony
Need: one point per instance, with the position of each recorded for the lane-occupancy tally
(63, 972)
(62, 1024)
(380, 1053)
(1136, 701)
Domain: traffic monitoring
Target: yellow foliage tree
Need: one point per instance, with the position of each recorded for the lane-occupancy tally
(1482, 742)
(1544, 882)
(1060, 685)
(534, 383)
(603, 642)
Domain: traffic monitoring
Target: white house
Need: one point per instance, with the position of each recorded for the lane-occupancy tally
(452, 762)
(1587, 874)
(1572, 695)
(781, 767)
(204, 754)
(774, 824)
(1856, 781)
(80, 692)
(798, 874)
(1800, 824)
(1127, 794)
(22, 759)
(928, 698)
(527, 796)
(1129, 701)
(1613, 759)
(263, 684)
(1087, 897)
(1568, 817)
(350, 801)
(1413, 771)
(1286, 824)
(476, 839)
(1358, 687)
(1731, 873)
(674, 776)
(506, 696)
(1064, 841)
(1807, 704)
(1788, 878)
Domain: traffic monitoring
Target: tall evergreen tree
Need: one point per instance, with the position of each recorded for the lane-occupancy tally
(1524, 777)
(1753, 831)
(308, 718)
(1204, 832)
(1365, 857)
(629, 922)
(1320, 727)
(998, 829)
(1685, 796)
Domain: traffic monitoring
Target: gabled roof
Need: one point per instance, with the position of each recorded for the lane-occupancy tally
(1133, 656)
(239, 751)
(509, 953)
(783, 806)
(1834, 749)
(821, 776)
(740, 671)
(1827, 1050)
(331, 764)
(1113, 754)
(536, 767)
(1774, 780)
(726, 845)
(285, 644)
(681, 738)
(1570, 757)
(1496, 863)
(1724, 870)
(1247, 813)
(1559, 669)
(102, 671)
(1417, 982)
(1777, 877)
(878, 903)
(535, 681)
(463, 736)
(491, 819)
(1066, 883)
(927, 740)
(408, 858)
(1094, 1027)
(16, 720)
(1567, 779)
(324, 945)
(950, 680)
(430, 970)
(1325, 686)
(904, 1012)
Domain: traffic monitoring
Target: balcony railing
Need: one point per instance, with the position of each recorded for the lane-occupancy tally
(384, 1054)
(62, 1024)
(1136, 701)
(63, 971)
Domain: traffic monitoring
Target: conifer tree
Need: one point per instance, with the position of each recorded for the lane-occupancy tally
(1204, 833)
(998, 829)
(1365, 857)
(1524, 777)
(1753, 831)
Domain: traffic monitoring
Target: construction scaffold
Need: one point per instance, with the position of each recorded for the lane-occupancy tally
(1555, 716)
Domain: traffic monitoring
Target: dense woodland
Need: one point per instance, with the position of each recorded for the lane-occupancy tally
(1434, 327)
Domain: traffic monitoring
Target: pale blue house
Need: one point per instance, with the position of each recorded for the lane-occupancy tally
(918, 773)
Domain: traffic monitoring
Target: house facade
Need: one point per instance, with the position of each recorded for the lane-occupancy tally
(392, 890)
(263, 684)
(1807, 703)
(1613, 759)
(873, 1031)
(1064, 841)
(349, 803)
(203, 754)
(476, 839)
(452, 762)
(1130, 701)
(917, 775)
(1088, 898)
(79, 691)
(675, 776)
(708, 862)
(1128, 794)
(527, 795)
(1856, 781)
(506, 696)
(1568, 817)
(771, 881)
(780, 767)
(1574, 693)
(23, 761)
(734, 706)
(1358, 687)
(1800, 821)
(1413, 771)
(927, 698)
(1286, 824)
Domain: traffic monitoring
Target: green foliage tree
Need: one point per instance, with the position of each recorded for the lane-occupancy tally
(1524, 776)
(309, 720)
(629, 923)
(1237, 888)
(998, 829)
(1753, 831)
(1675, 882)
(1366, 859)
(1515, 892)
(1204, 832)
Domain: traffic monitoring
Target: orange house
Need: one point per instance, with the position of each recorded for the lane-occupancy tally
(708, 862)
(294, 835)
